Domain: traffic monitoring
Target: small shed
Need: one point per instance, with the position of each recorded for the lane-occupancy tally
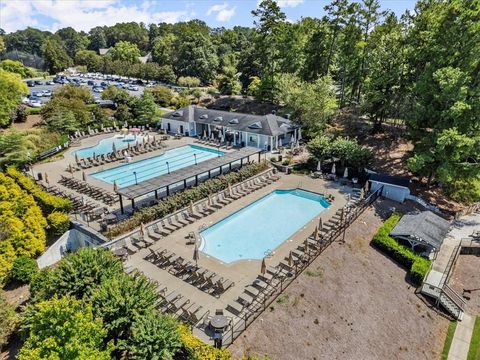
(394, 187)
(423, 232)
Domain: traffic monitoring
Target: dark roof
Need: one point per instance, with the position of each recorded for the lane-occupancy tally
(425, 226)
(269, 124)
(162, 181)
(394, 180)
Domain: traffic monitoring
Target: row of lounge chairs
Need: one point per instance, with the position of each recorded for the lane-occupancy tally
(80, 204)
(84, 134)
(89, 162)
(214, 142)
(204, 279)
(176, 221)
(176, 304)
(92, 191)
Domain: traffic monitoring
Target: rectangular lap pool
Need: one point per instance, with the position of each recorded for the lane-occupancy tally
(257, 229)
(146, 169)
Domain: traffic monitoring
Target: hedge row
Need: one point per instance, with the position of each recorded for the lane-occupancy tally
(183, 199)
(48, 202)
(418, 266)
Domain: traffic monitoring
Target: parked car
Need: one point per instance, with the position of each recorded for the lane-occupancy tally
(97, 89)
(91, 83)
(133, 88)
(38, 82)
(50, 83)
(47, 93)
(30, 83)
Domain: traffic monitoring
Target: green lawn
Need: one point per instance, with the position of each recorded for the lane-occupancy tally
(448, 340)
(474, 351)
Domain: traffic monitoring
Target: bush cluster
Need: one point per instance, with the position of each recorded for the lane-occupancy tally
(24, 269)
(22, 225)
(418, 266)
(8, 320)
(48, 202)
(183, 199)
(198, 350)
(58, 222)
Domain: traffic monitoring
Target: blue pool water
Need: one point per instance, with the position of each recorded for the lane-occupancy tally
(105, 146)
(260, 227)
(177, 158)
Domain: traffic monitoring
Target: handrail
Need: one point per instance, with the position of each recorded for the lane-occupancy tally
(450, 263)
(457, 299)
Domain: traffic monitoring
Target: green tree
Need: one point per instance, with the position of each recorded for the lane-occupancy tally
(254, 85)
(97, 38)
(125, 51)
(188, 81)
(310, 104)
(162, 95)
(154, 336)
(228, 83)
(320, 147)
(65, 122)
(63, 329)
(11, 91)
(162, 49)
(77, 274)
(29, 40)
(146, 109)
(56, 58)
(73, 41)
(120, 300)
(74, 92)
(90, 59)
(16, 67)
(24, 269)
(16, 147)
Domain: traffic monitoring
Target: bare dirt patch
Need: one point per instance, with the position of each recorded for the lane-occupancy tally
(32, 121)
(466, 282)
(351, 303)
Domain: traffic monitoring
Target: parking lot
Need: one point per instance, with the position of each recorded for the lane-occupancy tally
(37, 96)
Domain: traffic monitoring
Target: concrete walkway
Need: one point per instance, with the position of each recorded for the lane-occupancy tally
(461, 338)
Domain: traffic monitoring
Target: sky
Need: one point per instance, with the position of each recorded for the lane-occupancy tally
(85, 14)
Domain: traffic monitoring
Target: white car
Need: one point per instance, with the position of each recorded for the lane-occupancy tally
(35, 104)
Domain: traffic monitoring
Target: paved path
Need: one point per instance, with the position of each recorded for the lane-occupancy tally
(461, 338)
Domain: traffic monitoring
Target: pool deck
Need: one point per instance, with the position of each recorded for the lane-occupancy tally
(242, 272)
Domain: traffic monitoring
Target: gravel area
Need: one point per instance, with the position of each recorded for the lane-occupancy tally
(466, 282)
(351, 303)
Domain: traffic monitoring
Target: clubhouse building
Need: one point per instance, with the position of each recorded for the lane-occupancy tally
(266, 132)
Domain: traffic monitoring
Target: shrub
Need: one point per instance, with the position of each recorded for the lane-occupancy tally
(47, 202)
(63, 328)
(417, 265)
(182, 199)
(286, 162)
(24, 269)
(198, 350)
(8, 320)
(58, 222)
(273, 159)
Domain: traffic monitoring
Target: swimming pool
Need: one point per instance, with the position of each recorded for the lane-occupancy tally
(105, 146)
(257, 229)
(178, 158)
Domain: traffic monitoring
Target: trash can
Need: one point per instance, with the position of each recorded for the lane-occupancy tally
(280, 158)
(39, 176)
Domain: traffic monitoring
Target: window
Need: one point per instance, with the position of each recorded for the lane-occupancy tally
(255, 125)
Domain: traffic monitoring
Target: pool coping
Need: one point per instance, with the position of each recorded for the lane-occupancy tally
(272, 251)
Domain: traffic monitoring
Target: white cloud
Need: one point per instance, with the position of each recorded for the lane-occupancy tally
(224, 13)
(289, 3)
(82, 15)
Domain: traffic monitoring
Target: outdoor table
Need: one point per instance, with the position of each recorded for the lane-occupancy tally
(110, 217)
(120, 252)
(219, 322)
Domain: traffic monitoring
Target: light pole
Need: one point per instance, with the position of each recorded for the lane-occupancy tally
(195, 156)
(135, 174)
(168, 167)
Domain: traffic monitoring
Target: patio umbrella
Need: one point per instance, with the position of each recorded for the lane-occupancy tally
(342, 215)
(101, 127)
(84, 177)
(76, 158)
(299, 134)
(292, 145)
(70, 168)
(128, 146)
(315, 234)
(196, 255)
(212, 136)
(222, 139)
(320, 225)
(93, 155)
(115, 187)
(114, 124)
(135, 129)
(362, 193)
(307, 249)
(88, 129)
(204, 133)
(230, 189)
(263, 268)
(125, 124)
(190, 207)
(345, 173)
(142, 230)
(290, 259)
(280, 142)
(334, 169)
(319, 166)
(114, 148)
(46, 178)
(209, 200)
(124, 130)
(144, 140)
